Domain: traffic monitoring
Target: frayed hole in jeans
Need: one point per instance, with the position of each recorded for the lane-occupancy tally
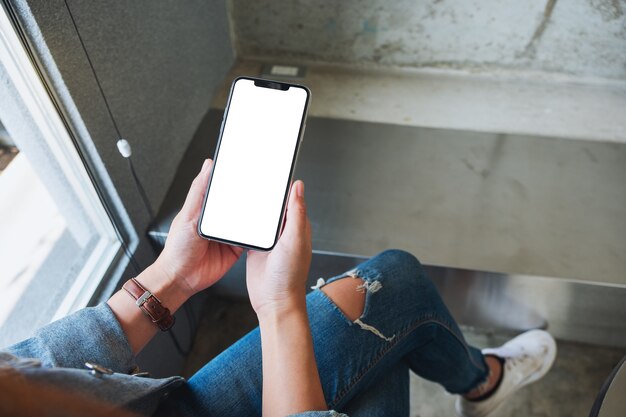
(342, 292)
(319, 284)
(373, 330)
(372, 287)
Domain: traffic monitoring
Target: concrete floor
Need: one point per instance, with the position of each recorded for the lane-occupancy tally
(568, 390)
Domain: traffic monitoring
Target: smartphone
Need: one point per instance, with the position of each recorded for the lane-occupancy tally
(256, 153)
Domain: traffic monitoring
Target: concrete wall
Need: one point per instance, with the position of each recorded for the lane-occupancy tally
(580, 37)
(158, 62)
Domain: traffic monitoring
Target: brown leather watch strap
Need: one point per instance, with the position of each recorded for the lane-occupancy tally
(149, 304)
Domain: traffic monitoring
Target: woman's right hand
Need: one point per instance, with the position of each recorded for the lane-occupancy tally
(276, 280)
(277, 288)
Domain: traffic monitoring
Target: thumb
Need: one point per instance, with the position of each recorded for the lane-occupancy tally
(296, 210)
(195, 196)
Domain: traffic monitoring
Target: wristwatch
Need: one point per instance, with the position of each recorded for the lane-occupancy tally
(149, 304)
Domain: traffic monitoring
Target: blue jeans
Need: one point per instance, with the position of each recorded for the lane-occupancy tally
(363, 365)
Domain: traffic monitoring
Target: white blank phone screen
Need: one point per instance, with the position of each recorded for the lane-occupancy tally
(253, 163)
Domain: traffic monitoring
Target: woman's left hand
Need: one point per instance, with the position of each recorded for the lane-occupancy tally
(277, 280)
(192, 262)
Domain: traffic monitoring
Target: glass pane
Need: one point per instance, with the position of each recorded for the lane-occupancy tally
(41, 247)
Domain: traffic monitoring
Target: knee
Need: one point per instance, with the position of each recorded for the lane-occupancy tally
(400, 257)
(399, 263)
(394, 265)
(402, 269)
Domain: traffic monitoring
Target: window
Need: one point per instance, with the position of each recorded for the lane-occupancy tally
(57, 243)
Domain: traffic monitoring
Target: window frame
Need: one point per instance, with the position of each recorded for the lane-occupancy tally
(108, 251)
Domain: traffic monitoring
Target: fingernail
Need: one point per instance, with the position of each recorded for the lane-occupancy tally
(205, 165)
(300, 189)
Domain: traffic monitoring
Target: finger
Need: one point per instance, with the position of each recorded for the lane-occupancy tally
(282, 227)
(296, 210)
(195, 196)
(308, 226)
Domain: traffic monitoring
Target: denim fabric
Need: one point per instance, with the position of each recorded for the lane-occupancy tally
(91, 334)
(363, 364)
(389, 396)
(61, 349)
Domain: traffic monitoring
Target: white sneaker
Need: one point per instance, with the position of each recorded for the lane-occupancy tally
(527, 358)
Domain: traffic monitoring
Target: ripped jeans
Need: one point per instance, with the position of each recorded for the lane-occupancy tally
(363, 364)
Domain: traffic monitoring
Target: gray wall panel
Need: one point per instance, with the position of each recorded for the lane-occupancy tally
(158, 63)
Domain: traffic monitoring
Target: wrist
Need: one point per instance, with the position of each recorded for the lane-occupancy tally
(277, 311)
(165, 286)
(139, 329)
